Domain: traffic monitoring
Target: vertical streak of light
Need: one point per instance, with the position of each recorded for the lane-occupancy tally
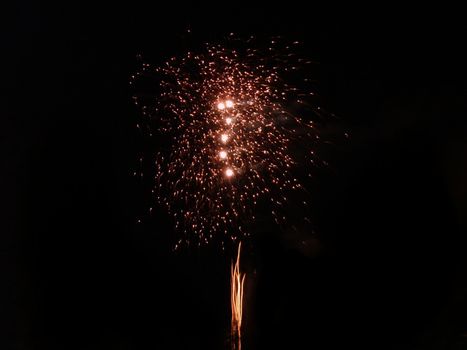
(236, 301)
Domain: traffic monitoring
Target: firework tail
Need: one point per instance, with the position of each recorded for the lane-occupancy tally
(236, 301)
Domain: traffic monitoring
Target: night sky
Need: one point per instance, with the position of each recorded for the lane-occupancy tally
(384, 265)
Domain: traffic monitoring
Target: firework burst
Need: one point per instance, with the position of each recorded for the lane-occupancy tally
(236, 125)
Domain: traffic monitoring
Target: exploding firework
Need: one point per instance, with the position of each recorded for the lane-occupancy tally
(235, 125)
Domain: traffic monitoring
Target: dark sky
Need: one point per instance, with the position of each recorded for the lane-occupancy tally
(386, 265)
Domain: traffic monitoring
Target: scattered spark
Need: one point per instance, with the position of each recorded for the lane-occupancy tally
(229, 111)
(224, 138)
(223, 154)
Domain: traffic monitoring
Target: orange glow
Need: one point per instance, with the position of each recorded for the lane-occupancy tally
(232, 136)
(236, 300)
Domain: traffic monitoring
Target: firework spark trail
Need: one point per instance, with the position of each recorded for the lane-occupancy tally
(225, 113)
(237, 281)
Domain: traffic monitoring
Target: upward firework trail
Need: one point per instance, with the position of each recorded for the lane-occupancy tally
(235, 125)
(237, 281)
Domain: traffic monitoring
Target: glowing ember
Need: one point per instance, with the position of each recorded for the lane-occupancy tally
(222, 154)
(221, 105)
(229, 172)
(224, 138)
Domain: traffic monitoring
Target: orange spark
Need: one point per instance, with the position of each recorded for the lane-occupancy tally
(221, 105)
(223, 154)
(229, 172)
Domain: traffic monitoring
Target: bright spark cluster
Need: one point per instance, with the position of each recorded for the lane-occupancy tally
(227, 117)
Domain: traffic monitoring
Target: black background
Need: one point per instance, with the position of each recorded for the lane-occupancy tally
(386, 267)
